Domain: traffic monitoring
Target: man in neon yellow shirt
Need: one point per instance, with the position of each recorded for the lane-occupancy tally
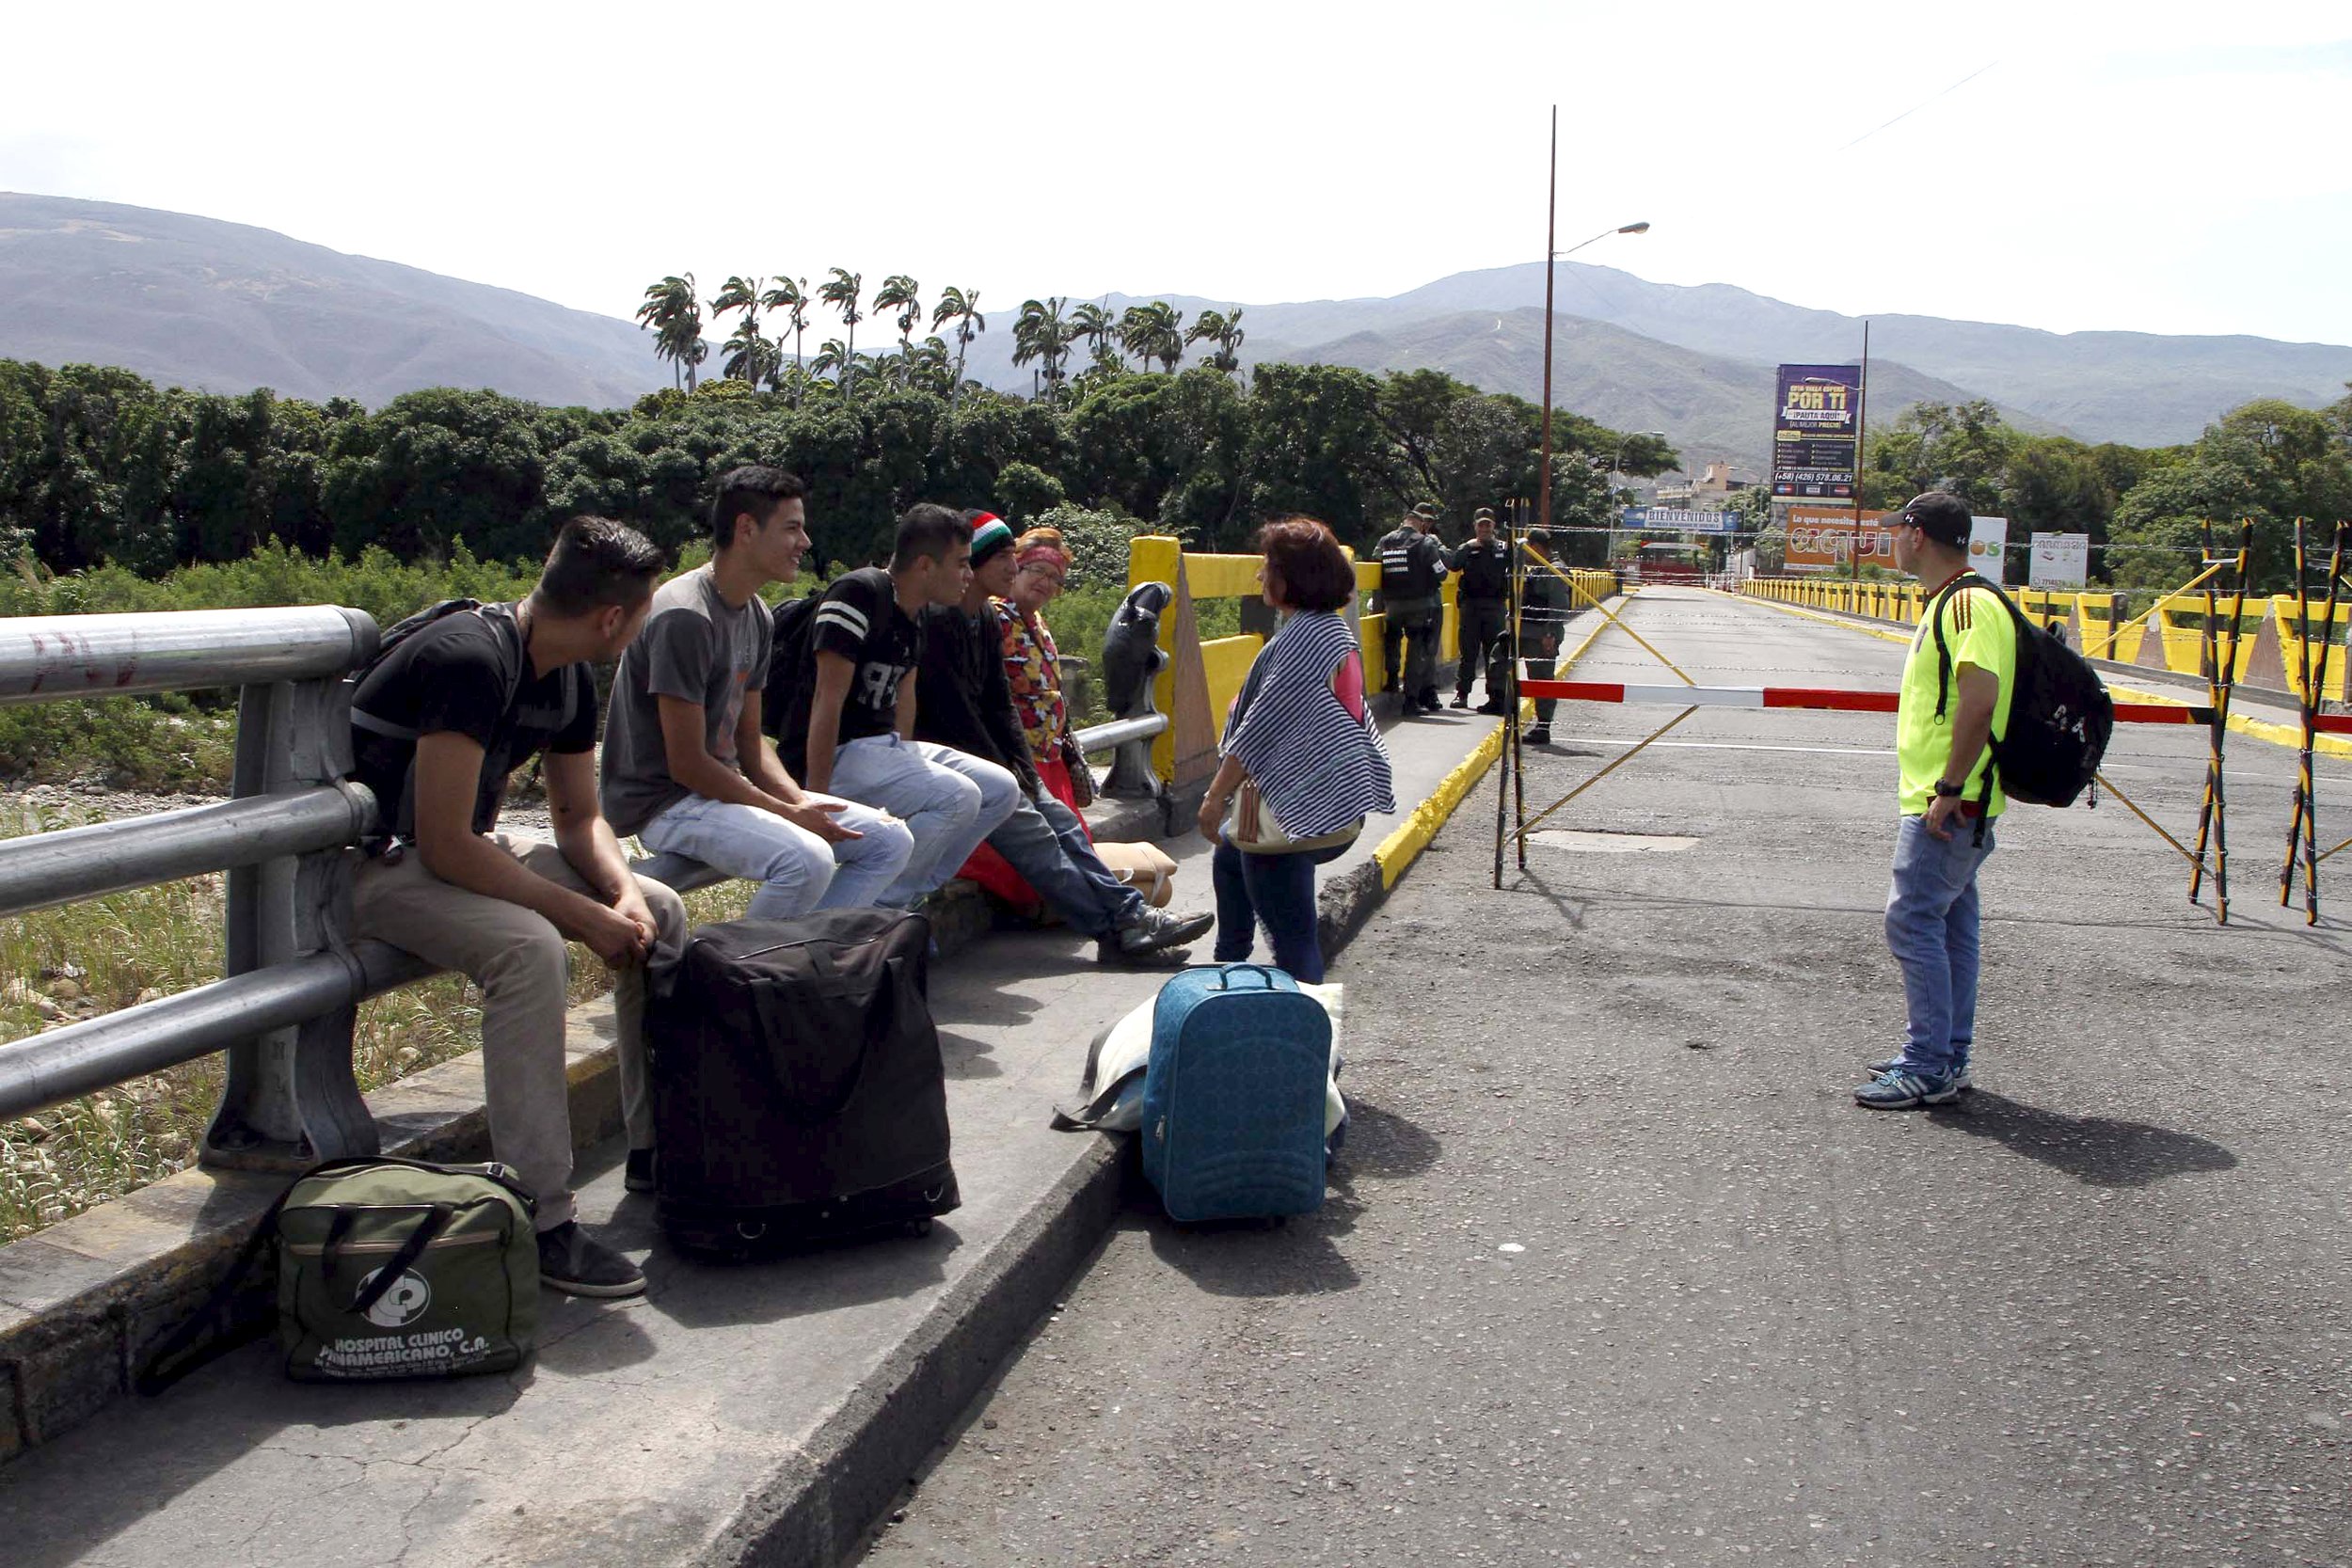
(1954, 701)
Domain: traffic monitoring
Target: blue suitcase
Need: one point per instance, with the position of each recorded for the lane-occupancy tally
(1234, 1097)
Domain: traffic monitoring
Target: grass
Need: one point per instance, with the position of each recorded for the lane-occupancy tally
(155, 941)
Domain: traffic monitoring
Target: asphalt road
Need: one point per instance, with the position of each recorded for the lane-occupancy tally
(1613, 1270)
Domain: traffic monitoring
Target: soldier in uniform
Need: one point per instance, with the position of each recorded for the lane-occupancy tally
(1543, 616)
(1412, 564)
(1481, 562)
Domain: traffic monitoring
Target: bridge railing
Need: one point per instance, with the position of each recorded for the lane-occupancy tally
(284, 1009)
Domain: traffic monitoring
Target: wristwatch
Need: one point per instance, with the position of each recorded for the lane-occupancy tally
(1947, 790)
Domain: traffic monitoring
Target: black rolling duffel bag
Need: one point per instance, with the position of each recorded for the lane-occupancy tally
(797, 1085)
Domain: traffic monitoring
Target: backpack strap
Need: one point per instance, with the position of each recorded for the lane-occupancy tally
(1944, 678)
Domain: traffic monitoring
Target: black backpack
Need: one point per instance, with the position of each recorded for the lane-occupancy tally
(2059, 715)
(793, 619)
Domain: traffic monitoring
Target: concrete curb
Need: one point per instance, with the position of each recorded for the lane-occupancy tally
(817, 1508)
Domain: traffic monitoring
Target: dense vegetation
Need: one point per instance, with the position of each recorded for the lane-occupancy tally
(98, 465)
(2268, 460)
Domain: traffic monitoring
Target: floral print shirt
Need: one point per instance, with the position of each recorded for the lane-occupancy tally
(1033, 666)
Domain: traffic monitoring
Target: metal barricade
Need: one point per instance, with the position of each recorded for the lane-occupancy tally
(284, 1009)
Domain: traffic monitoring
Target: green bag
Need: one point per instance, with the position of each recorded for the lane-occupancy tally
(397, 1268)
(386, 1268)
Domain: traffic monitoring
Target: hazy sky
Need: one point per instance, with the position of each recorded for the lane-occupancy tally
(2152, 166)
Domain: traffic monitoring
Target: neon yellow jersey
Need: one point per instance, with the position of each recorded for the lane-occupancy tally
(1977, 631)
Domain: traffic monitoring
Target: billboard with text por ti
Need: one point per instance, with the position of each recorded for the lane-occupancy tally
(1817, 426)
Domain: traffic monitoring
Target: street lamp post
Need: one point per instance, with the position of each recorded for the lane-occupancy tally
(1553, 256)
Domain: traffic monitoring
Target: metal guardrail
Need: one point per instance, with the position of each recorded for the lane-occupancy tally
(284, 1011)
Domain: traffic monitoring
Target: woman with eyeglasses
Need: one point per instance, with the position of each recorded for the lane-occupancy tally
(1033, 665)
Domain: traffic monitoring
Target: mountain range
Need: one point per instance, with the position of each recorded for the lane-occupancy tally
(200, 303)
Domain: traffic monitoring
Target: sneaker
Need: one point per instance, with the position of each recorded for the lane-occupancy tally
(1154, 930)
(1538, 734)
(1898, 1090)
(1461, 699)
(578, 1264)
(638, 1177)
(1429, 702)
(1962, 1080)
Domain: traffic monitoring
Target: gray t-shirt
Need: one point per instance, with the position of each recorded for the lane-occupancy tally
(697, 649)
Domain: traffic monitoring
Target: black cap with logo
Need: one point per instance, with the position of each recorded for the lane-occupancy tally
(1938, 514)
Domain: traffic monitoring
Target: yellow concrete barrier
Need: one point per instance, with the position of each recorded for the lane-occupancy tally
(2291, 644)
(2180, 624)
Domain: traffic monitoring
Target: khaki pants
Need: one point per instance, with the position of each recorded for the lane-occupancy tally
(521, 963)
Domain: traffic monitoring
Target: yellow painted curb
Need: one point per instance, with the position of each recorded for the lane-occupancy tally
(1409, 838)
(2288, 736)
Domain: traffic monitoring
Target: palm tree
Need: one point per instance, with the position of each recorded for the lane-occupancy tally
(1044, 333)
(677, 321)
(1153, 331)
(897, 293)
(841, 292)
(743, 358)
(927, 368)
(1094, 325)
(1223, 328)
(833, 358)
(747, 356)
(789, 295)
(964, 311)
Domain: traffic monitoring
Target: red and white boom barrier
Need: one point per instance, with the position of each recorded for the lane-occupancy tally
(1833, 699)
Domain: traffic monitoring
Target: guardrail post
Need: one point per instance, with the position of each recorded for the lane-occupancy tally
(290, 1098)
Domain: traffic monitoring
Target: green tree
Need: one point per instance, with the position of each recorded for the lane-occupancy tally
(1095, 326)
(1317, 446)
(1153, 331)
(963, 307)
(1223, 328)
(675, 319)
(897, 293)
(1043, 333)
(2268, 460)
(841, 291)
(790, 295)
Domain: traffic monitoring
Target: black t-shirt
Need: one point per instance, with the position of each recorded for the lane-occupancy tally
(466, 672)
(859, 619)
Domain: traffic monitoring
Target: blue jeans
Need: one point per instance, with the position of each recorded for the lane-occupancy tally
(949, 801)
(1045, 842)
(798, 871)
(1276, 890)
(1931, 930)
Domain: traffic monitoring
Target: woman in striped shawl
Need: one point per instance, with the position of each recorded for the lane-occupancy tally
(1303, 761)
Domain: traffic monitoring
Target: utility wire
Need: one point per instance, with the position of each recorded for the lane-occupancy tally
(1922, 103)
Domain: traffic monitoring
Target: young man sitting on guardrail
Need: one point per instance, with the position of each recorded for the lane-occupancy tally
(441, 719)
(842, 703)
(964, 701)
(686, 767)
(1943, 734)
